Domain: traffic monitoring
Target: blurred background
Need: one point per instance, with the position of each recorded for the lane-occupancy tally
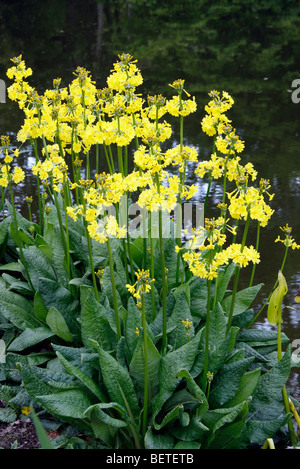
(250, 48)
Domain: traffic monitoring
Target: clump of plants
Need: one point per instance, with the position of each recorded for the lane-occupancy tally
(115, 324)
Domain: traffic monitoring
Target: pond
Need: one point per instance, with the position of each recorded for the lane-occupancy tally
(249, 50)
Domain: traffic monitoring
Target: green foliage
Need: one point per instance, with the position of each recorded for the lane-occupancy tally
(89, 380)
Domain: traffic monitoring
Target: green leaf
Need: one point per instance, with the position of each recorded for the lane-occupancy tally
(15, 234)
(223, 281)
(184, 287)
(248, 384)
(66, 403)
(33, 383)
(40, 309)
(38, 265)
(137, 364)
(181, 312)
(83, 377)
(133, 321)
(228, 429)
(118, 383)
(226, 383)
(96, 413)
(44, 440)
(173, 414)
(170, 263)
(219, 340)
(196, 430)
(243, 299)
(268, 394)
(218, 419)
(17, 310)
(30, 337)
(3, 237)
(95, 324)
(12, 267)
(171, 364)
(158, 440)
(57, 296)
(257, 431)
(198, 297)
(8, 415)
(57, 324)
(275, 303)
(260, 339)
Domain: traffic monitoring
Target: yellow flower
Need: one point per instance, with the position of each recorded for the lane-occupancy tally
(26, 410)
(142, 285)
(180, 107)
(288, 240)
(18, 175)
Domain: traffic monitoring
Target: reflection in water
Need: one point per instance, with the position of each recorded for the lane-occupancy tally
(56, 38)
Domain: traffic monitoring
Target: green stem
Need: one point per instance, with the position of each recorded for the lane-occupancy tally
(120, 160)
(2, 201)
(97, 158)
(206, 351)
(41, 213)
(237, 273)
(216, 291)
(164, 286)
(130, 256)
(88, 169)
(152, 273)
(146, 367)
(256, 247)
(89, 243)
(108, 160)
(111, 159)
(225, 179)
(145, 234)
(114, 290)
(163, 275)
(208, 191)
(236, 281)
(29, 212)
(67, 235)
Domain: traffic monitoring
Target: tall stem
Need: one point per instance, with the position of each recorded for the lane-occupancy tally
(146, 367)
(207, 321)
(41, 213)
(67, 235)
(114, 290)
(256, 247)
(237, 273)
(163, 275)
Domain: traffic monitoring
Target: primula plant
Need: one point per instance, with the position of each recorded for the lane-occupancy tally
(136, 337)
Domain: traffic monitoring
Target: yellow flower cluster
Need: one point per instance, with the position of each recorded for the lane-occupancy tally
(215, 120)
(142, 285)
(288, 240)
(246, 201)
(7, 173)
(205, 253)
(178, 106)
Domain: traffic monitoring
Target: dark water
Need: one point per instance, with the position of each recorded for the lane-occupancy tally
(249, 50)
